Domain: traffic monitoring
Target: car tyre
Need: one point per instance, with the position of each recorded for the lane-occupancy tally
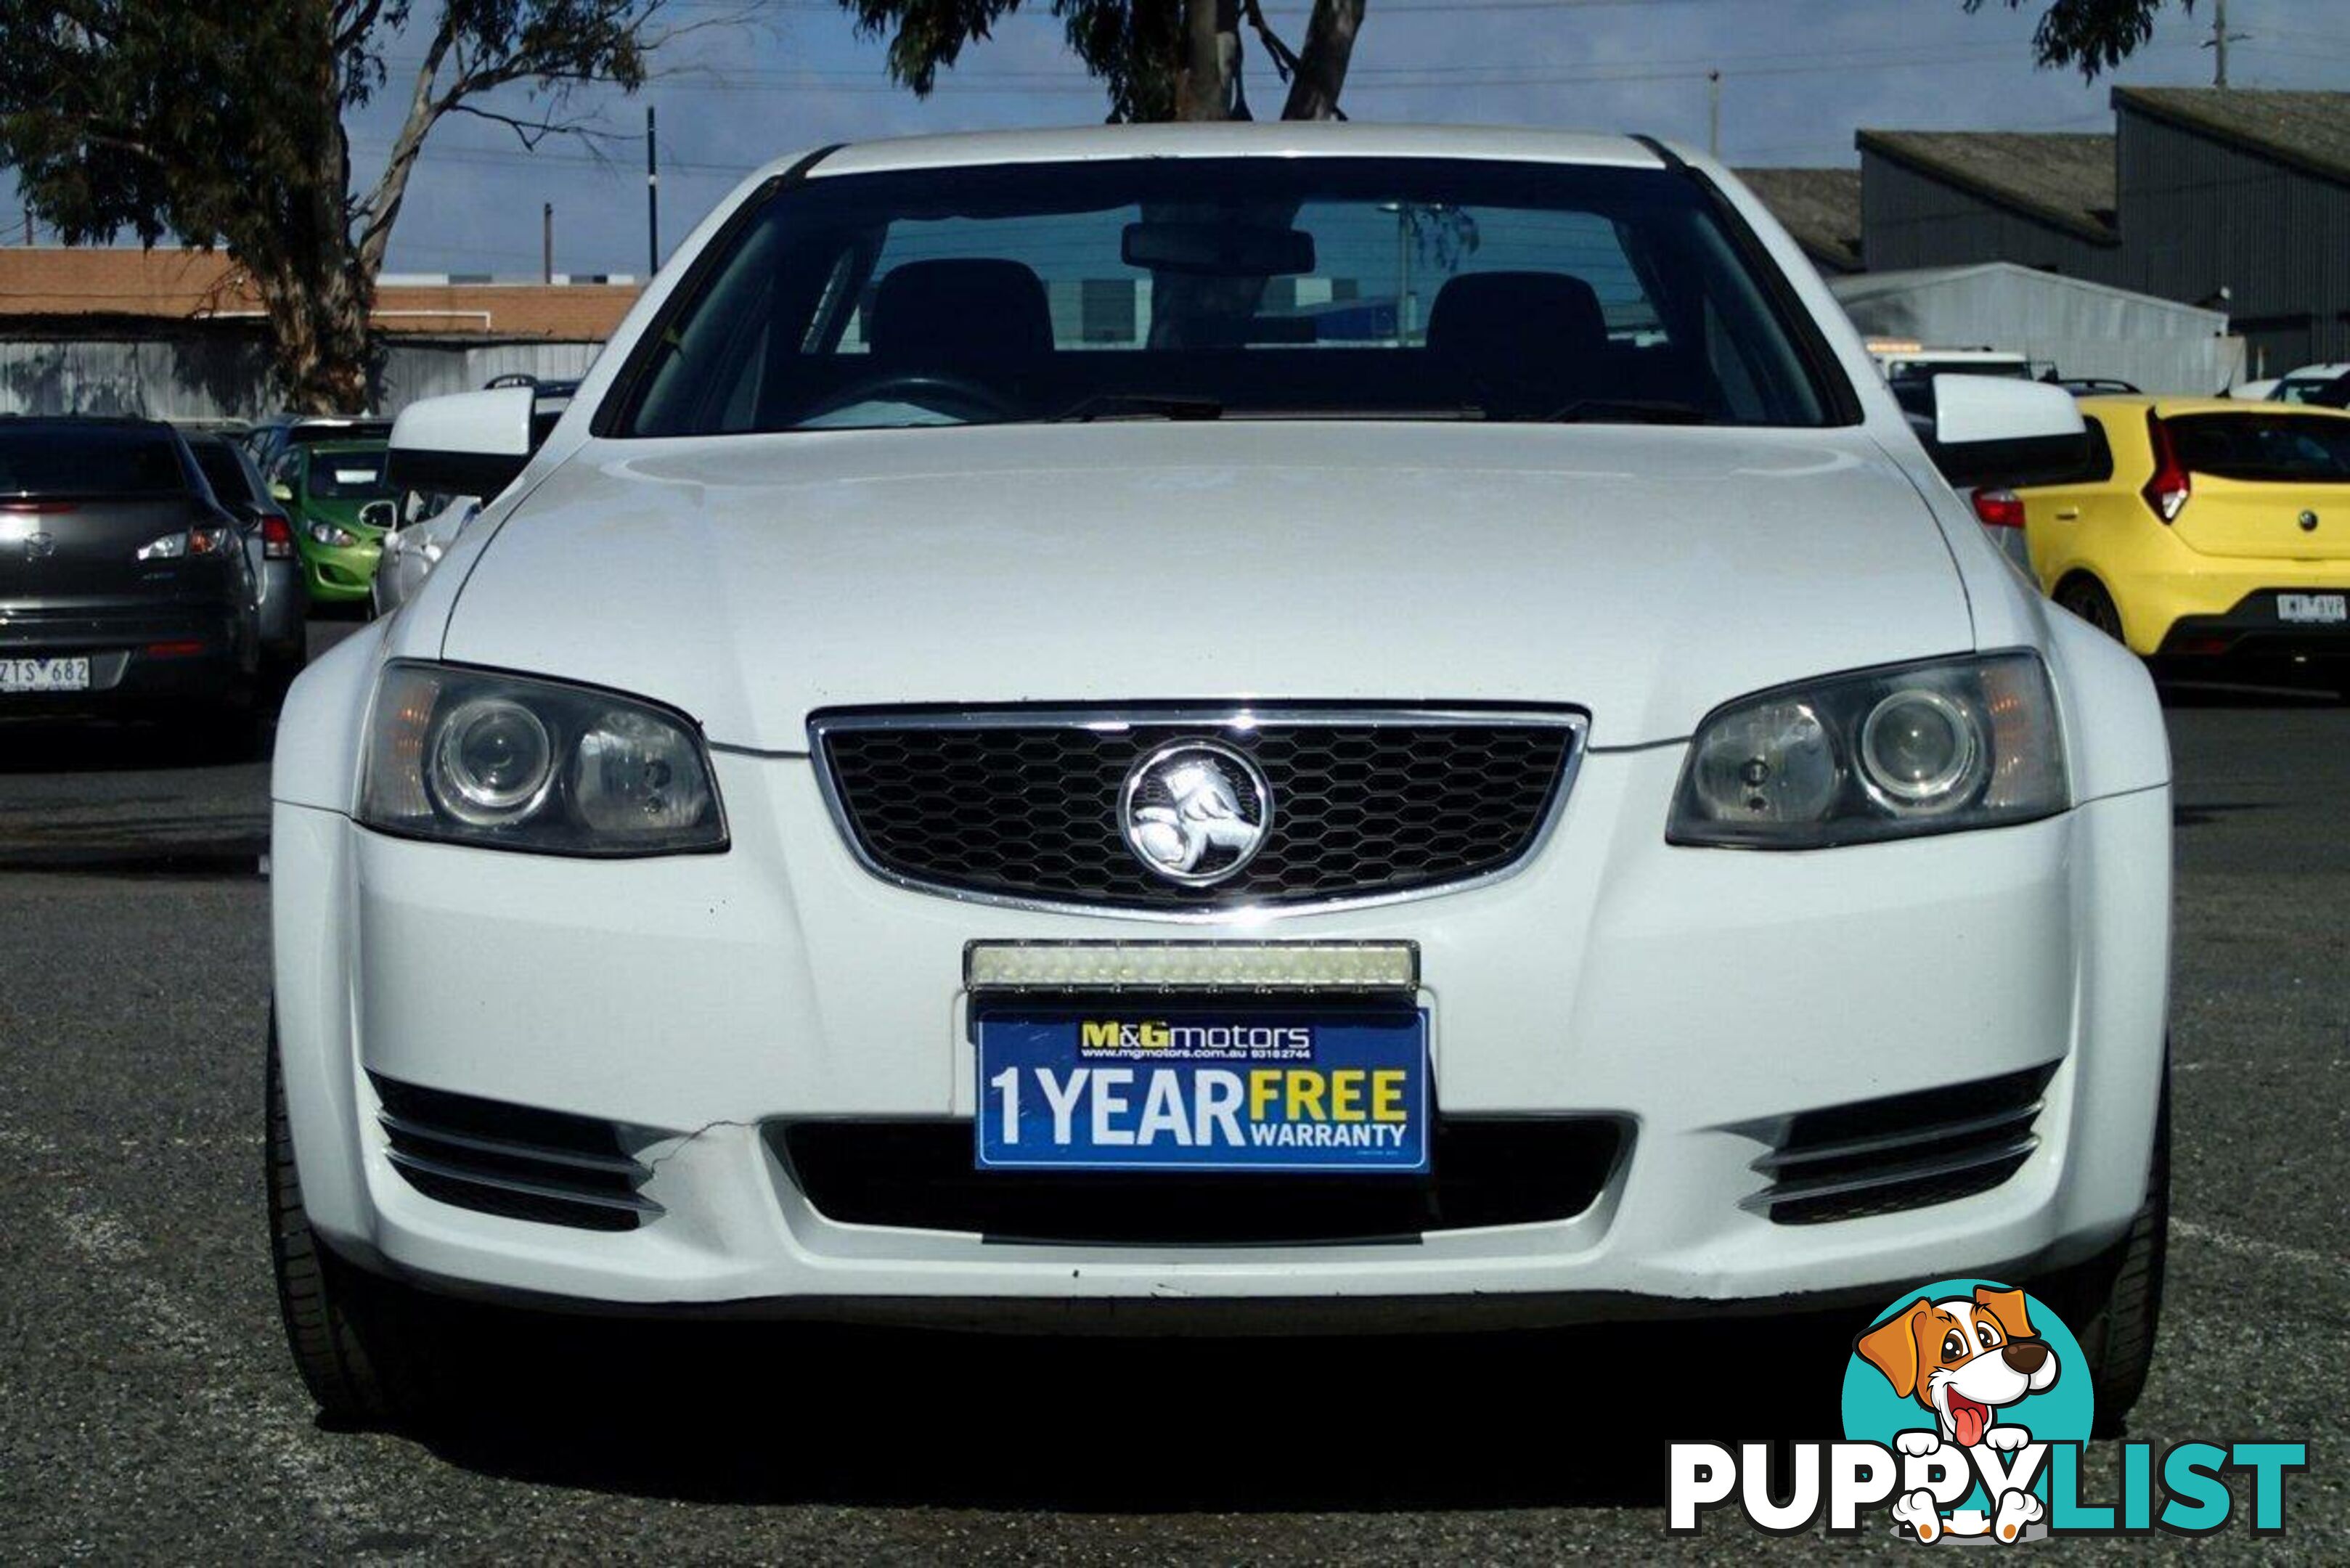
(2087, 598)
(363, 1344)
(2118, 1337)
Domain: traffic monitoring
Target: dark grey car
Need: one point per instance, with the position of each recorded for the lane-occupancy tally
(124, 583)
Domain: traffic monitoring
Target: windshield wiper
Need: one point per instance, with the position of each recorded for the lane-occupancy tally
(1138, 406)
(1629, 412)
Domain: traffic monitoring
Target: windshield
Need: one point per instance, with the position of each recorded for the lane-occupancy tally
(222, 471)
(1204, 288)
(348, 476)
(89, 460)
(2276, 449)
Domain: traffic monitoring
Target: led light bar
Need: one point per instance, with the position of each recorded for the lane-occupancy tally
(1192, 966)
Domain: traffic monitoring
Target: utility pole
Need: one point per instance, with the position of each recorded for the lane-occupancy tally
(547, 243)
(652, 197)
(1713, 113)
(2218, 41)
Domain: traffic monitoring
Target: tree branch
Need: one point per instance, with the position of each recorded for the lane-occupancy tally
(1284, 57)
(353, 22)
(531, 133)
(1322, 65)
(382, 204)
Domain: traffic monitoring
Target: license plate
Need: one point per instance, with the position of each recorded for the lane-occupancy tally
(2314, 610)
(44, 674)
(1130, 1087)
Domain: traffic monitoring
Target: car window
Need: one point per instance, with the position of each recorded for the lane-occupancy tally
(2309, 449)
(349, 475)
(1299, 287)
(2098, 466)
(221, 471)
(89, 460)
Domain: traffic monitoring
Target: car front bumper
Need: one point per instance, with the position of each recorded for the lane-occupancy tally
(335, 576)
(1701, 996)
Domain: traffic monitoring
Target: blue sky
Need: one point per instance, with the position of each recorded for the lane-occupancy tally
(1799, 76)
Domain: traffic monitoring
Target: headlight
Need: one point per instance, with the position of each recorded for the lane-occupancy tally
(511, 762)
(332, 536)
(1880, 753)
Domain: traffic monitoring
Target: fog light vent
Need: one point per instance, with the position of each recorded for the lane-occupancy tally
(517, 1161)
(1903, 1152)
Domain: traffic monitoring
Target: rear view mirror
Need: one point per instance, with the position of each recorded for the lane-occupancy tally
(1217, 250)
(467, 443)
(1995, 430)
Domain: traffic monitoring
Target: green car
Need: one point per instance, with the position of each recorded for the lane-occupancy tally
(332, 490)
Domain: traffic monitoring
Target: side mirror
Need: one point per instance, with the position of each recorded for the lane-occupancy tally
(380, 514)
(1996, 430)
(280, 490)
(467, 443)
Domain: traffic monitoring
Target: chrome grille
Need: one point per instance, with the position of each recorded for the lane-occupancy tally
(1021, 806)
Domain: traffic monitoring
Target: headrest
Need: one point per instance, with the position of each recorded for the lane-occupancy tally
(962, 311)
(1501, 320)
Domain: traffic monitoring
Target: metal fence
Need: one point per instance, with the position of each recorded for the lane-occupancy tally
(219, 376)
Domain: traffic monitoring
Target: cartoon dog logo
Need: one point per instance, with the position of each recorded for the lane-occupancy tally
(1965, 1359)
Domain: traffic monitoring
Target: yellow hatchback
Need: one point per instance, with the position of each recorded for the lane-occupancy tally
(2203, 527)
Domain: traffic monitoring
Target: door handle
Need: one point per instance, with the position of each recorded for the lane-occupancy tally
(2067, 513)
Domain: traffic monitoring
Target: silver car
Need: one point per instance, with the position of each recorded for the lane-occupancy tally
(268, 535)
(419, 533)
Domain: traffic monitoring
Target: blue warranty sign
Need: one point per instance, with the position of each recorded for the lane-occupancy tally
(1127, 1087)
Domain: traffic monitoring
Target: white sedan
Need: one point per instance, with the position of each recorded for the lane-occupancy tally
(1246, 725)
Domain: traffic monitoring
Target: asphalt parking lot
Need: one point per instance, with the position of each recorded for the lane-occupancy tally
(147, 1409)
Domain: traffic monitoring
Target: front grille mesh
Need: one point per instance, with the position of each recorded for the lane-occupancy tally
(1483, 1173)
(1021, 809)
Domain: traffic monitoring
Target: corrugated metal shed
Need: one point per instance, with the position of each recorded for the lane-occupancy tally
(1950, 198)
(2085, 328)
(2249, 191)
(2200, 190)
(224, 374)
(1819, 207)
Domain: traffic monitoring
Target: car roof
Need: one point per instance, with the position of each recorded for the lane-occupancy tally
(1229, 139)
(282, 420)
(83, 421)
(328, 448)
(2172, 407)
(2316, 373)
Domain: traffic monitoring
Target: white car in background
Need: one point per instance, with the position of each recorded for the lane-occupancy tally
(920, 800)
(2301, 386)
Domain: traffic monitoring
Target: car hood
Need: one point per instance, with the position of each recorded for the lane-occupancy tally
(1643, 575)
